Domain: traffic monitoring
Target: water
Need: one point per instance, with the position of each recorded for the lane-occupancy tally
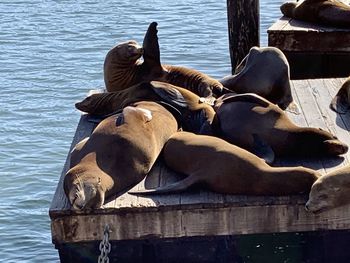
(51, 55)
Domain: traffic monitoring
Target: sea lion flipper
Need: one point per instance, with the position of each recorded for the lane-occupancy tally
(263, 150)
(151, 52)
(169, 94)
(171, 188)
(294, 108)
(339, 104)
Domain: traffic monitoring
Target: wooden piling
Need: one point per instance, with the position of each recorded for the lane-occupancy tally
(243, 28)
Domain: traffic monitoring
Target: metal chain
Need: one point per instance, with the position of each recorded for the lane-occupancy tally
(105, 247)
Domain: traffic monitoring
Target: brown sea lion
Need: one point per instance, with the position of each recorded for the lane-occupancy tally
(118, 154)
(227, 169)
(264, 71)
(341, 102)
(330, 191)
(324, 12)
(255, 124)
(197, 114)
(122, 68)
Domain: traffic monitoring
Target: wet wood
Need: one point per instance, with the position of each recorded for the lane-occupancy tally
(204, 213)
(243, 28)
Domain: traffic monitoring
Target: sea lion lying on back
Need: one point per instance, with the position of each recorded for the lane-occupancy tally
(324, 12)
(118, 154)
(227, 169)
(341, 102)
(255, 124)
(197, 115)
(264, 71)
(122, 68)
(330, 191)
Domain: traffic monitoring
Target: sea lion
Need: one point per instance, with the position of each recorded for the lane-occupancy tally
(122, 68)
(250, 121)
(197, 114)
(324, 12)
(228, 169)
(264, 71)
(118, 154)
(330, 191)
(341, 102)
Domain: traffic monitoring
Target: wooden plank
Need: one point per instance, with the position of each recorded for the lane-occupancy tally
(191, 221)
(293, 34)
(243, 28)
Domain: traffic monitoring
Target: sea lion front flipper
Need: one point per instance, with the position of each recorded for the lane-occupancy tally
(263, 150)
(339, 103)
(151, 52)
(167, 189)
(169, 94)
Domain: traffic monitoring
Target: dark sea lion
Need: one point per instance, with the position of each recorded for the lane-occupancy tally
(330, 191)
(248, 120)
(264, 71)
(118, 154)
(197, 115)
(121, 75)
(324, 12)
(341, 102)
(228, 169)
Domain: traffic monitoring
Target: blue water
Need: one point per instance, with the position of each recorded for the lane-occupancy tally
(51, 55)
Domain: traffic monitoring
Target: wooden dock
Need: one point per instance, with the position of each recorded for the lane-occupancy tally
(313, 51)
(202, 213)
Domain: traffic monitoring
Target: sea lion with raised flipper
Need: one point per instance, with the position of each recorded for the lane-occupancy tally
(341, 101)
(330, 191)
(119, 153)
(228, 169)
(323, 12)
(264, 71)
(248, 120)
(197, 114)
(122, 70)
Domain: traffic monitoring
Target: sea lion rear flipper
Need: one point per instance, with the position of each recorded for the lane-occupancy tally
(245, 97)
(263, 150)
(339, 104)
(171, 188)
(151, 52)
(294, 108)
(169, 94)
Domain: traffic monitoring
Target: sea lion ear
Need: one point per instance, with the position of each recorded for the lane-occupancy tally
(147, 114)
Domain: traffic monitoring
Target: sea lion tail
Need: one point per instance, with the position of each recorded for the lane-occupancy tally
(171, 188)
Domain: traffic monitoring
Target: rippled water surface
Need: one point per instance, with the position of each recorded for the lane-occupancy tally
(51, 55)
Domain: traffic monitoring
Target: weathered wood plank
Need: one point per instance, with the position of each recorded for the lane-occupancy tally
(198, 222)
(291, 35)
(243, 28)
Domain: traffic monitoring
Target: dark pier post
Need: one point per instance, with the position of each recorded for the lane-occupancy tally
(243, 28)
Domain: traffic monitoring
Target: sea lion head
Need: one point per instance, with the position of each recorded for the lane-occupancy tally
(323, 142)
(127, 52)
(288, 8)
(327, 192)
(84, 191)
(98, 104)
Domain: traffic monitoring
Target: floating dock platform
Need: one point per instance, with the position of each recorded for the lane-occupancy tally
(202, 226)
